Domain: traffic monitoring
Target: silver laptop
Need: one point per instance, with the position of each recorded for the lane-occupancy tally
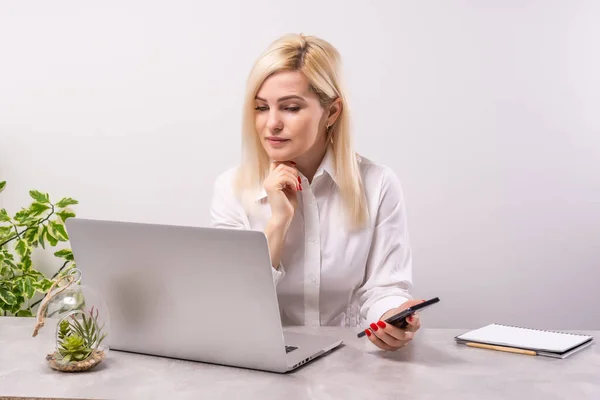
(200, 294)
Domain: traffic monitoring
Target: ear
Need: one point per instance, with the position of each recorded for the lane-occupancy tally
(334, 111)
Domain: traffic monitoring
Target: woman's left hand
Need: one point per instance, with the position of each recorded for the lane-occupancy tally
(390, 338)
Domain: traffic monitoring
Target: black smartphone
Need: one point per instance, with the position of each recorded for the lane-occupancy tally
(399, 320)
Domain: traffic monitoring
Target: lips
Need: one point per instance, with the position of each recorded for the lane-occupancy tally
(277, 142)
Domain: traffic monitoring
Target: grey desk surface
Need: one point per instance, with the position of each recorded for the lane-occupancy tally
(433, 367)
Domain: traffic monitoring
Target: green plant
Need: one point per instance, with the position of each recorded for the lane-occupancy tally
(37, 225)
(77, 339)
(74, 348)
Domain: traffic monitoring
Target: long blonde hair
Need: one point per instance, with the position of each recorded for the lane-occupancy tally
(319, 61)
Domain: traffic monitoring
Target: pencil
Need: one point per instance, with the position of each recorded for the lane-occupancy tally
(502, 348)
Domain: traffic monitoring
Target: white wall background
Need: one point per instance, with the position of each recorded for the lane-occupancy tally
(487, 110)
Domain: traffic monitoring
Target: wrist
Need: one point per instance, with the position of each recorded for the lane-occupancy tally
(279, 223)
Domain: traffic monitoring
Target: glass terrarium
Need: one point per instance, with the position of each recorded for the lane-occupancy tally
(80, 320)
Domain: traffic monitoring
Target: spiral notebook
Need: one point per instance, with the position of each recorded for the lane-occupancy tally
(542, 342)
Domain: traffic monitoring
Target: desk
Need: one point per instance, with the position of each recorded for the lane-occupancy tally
(433, 367)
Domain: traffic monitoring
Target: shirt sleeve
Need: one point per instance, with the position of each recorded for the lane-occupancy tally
(227, 212)
(388, 275)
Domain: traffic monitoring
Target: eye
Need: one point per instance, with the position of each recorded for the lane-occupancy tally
(261, 108)
(292, 108)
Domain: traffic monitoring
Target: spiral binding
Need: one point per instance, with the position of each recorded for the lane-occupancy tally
(543, 330)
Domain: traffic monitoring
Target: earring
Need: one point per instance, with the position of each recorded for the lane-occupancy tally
(329, 133)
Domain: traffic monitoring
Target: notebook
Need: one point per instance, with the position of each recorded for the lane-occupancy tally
(542, 342)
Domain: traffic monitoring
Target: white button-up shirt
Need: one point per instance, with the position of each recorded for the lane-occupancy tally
(330, 275)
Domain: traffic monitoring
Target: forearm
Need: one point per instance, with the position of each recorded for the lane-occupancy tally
(275, 232)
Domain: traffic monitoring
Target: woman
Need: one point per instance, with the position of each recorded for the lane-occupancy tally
(335, 222)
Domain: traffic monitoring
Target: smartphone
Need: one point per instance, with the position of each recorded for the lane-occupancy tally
(399, 320)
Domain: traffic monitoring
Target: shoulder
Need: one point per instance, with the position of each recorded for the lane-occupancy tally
(379, 178)
(224, 184)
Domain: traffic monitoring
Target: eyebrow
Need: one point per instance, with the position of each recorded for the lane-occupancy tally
(284, 98)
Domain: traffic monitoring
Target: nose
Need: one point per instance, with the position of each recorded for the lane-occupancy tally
(274, 123)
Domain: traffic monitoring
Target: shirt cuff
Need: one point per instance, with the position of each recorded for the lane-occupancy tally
(382, 306)
(278, 273)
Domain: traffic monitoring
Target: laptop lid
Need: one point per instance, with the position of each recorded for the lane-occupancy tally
(202, 294)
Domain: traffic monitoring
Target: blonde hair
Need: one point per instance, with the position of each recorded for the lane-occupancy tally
(319, 61)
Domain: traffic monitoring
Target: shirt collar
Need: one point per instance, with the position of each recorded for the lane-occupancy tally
(327, 166)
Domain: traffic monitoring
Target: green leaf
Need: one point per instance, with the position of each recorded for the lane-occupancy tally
(51, 239)
(59, 231)
(5, 232)
(67, 201)
(7, 296)
(102, 338)
(41, 234)
(64, 215)
(24, 313)
(11, 264)
(40, 197)
(25, 263)
(67, 254)
(2, 185)
(38, 208)
(44, 285)
(22, 285)
(22, 215)
(22, 248)
(15, 309)
(4, 216)
(31, 235)
(35, 275)
(29, 289)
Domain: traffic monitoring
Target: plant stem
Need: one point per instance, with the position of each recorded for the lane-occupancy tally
(36, 303)
(60, 269)
(17, 232)
(29, 227)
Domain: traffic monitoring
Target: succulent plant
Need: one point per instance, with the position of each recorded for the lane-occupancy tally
(77, 339)
(74, 348)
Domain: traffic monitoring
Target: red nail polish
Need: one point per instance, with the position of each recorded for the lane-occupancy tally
(368, 332)
(300, 187)
(299, 181)
(381, 324)
(374, 327)
(410, 318)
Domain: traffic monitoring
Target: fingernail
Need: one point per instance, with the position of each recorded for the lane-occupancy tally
(300, 187)
(299, 181)
(374, 327)
(368, 332)
(410, 318)
(381, 324)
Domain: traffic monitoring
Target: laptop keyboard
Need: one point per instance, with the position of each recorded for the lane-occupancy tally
(289, 349)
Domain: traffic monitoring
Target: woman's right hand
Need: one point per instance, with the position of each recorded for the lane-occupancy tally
(281, 186)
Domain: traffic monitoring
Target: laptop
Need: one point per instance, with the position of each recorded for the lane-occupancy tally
(192, 293)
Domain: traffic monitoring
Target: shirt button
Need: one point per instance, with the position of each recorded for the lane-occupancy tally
(311, 239)
(312, 279)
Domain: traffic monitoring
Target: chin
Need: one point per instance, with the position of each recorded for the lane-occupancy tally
(281, 155)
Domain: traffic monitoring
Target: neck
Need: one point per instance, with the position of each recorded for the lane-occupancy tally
(309, 162)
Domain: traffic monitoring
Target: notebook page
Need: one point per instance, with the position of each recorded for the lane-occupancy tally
(524, 338)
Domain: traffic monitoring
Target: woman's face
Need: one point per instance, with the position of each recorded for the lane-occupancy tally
(288, 117)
